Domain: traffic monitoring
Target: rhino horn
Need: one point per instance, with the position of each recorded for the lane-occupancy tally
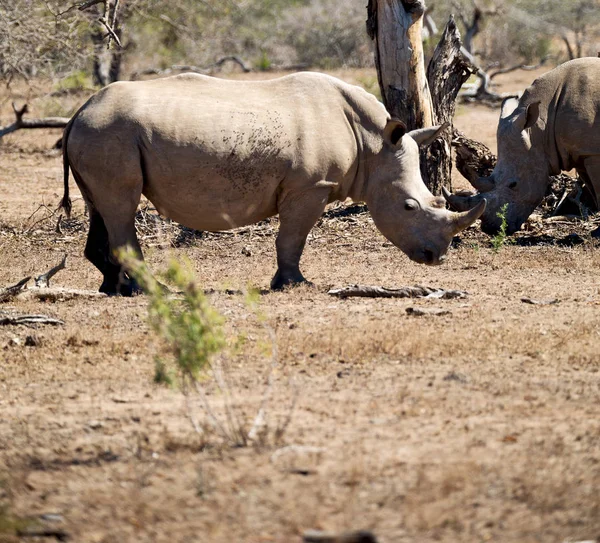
(483, 184)
(467, 218)
(461, 203)
(425, 136)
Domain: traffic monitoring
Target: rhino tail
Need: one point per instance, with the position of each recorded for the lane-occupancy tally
(65, 203)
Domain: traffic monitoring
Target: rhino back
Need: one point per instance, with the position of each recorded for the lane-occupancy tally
(212, 148)
(570, 111)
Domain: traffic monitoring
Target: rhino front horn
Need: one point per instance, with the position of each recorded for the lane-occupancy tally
(461, 203)
(467, 218)
(482, 184)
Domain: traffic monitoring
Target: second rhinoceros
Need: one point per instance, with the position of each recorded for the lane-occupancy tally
(214, 154)
(554, 127)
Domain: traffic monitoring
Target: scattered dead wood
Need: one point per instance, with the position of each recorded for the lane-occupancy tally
(42, 291)
(533, 301)
(366, 291)
(43, 281)
(59, 294)
(20, 122)
(10, 292)
(424, 311)
(29, 320)
(316, 536)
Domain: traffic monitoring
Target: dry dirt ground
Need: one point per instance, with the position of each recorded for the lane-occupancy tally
(479, 424)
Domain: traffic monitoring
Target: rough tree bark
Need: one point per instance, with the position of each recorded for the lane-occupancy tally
(447, 71)
(395, 26)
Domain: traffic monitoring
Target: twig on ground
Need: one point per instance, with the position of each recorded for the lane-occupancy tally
(533, 301)
(367, 291)
(316, 536)
(10, 292)
(43, 281)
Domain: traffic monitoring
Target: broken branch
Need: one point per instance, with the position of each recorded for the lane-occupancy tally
(10, 292)
(29, 319)
(366, 291)
(43, 281)
(47, 122)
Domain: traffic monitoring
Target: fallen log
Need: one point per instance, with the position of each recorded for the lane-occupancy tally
(20, 122)
(366, 291)
(29, 319)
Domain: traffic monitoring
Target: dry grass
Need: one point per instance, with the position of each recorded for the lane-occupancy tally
(473, 426)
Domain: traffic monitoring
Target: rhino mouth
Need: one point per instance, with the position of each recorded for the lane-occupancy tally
(428, 257)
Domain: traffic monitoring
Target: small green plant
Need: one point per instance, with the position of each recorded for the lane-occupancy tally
(264, 63)
(191, 331)
(500, 239)
(190, 327)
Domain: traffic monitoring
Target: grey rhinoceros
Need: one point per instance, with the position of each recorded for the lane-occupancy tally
(214, 154)
(555, 126)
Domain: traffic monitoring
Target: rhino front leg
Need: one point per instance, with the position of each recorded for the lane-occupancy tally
(591, 176)
(298, 213)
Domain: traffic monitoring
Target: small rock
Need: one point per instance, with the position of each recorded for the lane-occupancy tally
(15, 341)
(246, 251)
(454, 376)
(298, 459)
(33, 341)
(95, 424)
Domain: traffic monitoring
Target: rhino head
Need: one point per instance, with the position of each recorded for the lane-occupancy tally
(520, 177)
(402, 207)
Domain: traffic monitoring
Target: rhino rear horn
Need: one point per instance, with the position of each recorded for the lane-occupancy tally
(483, 184)
(462, 203)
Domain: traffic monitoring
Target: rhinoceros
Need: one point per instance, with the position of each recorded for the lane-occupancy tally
(214, 154)
(553, 127)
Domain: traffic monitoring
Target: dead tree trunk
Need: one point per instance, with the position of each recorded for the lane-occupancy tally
(396, 26)
(447, 71)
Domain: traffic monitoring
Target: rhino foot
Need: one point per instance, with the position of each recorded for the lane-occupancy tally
(124, 286)
(281, 280)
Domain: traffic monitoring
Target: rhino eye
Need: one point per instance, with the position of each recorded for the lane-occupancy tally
(512, 185)
(410, 205)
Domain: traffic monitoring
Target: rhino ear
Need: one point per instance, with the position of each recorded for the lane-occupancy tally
(425, 136)
(528, 117)
(393, 131)
(532, 114)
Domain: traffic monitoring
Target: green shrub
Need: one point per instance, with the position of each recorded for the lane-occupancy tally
(500, 239)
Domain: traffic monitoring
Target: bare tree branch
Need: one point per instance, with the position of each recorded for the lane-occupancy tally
(46, 122)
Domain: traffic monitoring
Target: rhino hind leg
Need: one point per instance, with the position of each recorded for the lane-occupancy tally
(298, 213)
(97, 251)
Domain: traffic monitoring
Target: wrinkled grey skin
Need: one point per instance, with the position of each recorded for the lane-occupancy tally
(554, 127)
(214, 154)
